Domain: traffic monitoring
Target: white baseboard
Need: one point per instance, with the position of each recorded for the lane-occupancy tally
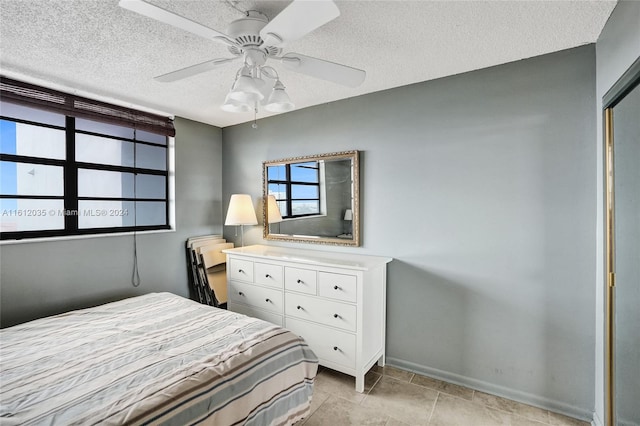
(596, 420)
(513, 394)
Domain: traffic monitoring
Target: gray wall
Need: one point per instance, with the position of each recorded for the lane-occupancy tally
(617, 48)
(38, 279)
(482, 187)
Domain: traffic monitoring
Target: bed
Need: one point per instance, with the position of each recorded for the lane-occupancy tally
(153, 359)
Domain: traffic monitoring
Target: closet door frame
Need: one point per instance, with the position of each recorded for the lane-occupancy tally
(629, 81)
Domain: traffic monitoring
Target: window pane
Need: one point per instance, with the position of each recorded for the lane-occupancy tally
(276, 173)
(94, 149)
(32, 141)
(8, 178)
(30, 215)
(101, 183)
(117, 214)
(151, 157)
(149, 213)
(150, 186)
(103, 128)
(141, 135)
(119, 131)
(304, 191)
(304, 172)
(8, 109)
(102, 214)
(278, 190)
(305, 207)
(31, 179)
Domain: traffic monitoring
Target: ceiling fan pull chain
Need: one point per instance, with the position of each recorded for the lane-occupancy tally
(255, 114)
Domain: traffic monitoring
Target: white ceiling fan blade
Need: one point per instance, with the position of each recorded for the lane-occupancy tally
(325, 70)
(162, 15)
(297, 20)
(193, 70)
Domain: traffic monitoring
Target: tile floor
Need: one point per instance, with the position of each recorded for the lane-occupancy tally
(394, 397)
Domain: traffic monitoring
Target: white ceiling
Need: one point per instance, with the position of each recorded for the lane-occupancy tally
(96, 47)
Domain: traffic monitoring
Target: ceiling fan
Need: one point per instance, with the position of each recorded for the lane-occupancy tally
(255, 40)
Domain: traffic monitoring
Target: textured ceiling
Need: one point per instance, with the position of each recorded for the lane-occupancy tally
(99, 48)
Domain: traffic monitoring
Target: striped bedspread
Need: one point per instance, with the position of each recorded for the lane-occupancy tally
(153, 359)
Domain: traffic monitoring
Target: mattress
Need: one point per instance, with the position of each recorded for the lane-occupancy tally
(153, 359)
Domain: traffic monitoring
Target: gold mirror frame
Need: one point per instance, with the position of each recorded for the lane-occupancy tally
(355, 204)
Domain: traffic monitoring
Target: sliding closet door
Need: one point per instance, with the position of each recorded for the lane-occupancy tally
(626, 257)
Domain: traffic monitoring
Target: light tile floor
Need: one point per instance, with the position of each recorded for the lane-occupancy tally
(394, 397)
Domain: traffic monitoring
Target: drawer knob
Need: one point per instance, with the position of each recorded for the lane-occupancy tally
(336, 316)
(298, 307)
(267, 300)
(241, 271)
(267, 276)
(335, 287)
(300, 281)
(335, 348)
(241, 293)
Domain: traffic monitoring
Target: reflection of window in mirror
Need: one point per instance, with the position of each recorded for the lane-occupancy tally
(313, 194)
(298, 188)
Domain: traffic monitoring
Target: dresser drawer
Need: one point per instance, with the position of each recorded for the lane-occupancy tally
(329, 344)
(325, 312)
(266, 274)
(259, 297)
(250, 311)
(338, 286)
(302, 280)
(241, 270)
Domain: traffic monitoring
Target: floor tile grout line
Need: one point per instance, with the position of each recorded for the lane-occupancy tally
(433, 409)
(547, 415)
(367, 393)
(515, 414)
(476, 402)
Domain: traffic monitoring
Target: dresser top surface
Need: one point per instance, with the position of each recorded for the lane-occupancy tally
(315, 257)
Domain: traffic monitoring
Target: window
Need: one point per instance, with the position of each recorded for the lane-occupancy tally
(63, 173)
(296, 188)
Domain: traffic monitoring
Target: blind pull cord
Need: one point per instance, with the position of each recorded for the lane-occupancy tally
(135, 276)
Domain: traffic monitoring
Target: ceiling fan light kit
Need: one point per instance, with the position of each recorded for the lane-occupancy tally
(255, 40)
(246, 89)
(279, 100)
(231, 105)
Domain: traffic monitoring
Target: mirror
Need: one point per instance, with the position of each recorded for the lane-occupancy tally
(312, 199)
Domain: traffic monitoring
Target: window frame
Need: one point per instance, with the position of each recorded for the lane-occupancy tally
(70, 184)
(288, 183)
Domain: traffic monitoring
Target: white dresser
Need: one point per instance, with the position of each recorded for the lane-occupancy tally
(335, 301)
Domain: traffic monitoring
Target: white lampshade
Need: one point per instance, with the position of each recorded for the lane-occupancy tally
(279, 100)
(273, 212)
(247, 89)
(231, 105)
(348, 214)
(241, 211)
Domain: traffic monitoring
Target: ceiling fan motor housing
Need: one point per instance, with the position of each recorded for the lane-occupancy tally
(246, 32)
